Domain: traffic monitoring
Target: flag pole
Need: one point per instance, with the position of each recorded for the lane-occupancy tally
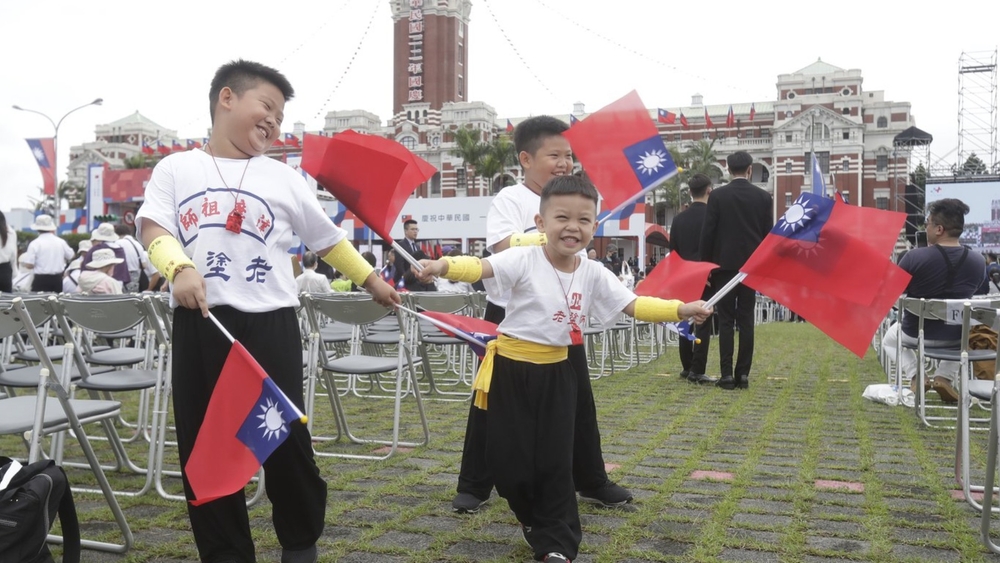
(725, 289)
(442, 325)
(400, 251)
(222, 328)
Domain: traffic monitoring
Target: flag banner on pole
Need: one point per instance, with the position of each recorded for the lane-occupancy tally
(877, 227)
(851, 324)
(818, 185)
(193, 144)
(146, 149)
(684, 120)
(753, 112)
(664, 116)
(621, 150)
(248, 417)
(573, 119)
(476, 332)
(291, 140)
(162, 149)
(730, 118)
(510, 126)
(371, 175)
(176, 145)
(813, 245)
(708, 120)
(44, 151)
(676, 278)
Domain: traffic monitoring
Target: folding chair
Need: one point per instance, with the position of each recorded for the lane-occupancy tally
(360, 312)
(44, 415)
(457, 357)
(986, 316)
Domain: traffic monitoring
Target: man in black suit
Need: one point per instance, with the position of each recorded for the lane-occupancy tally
(737, 218)
(685, 238)
(412, 247)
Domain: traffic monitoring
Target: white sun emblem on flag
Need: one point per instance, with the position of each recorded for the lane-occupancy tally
(39, 154)
(272, 423)
(651, 161)
(797, 216)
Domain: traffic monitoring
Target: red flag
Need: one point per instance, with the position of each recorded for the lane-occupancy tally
(291, 140)
(851, 324)
(176, 145)
(664, 116)
(472, 328)
(708, 120)
(814, 245)
(753, 112)
(161, 148)
(730, 118)
(684, 120)
(879, 228)
(676, 278)
(351, 165)
(278, 143)
(247, 418)
(146, 149)
(193, 144)
(510, 126)
(621, 150)
(44, 151)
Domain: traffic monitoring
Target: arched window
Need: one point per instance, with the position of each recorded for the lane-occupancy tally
(882, 122)
(408, 141)
(818, 133)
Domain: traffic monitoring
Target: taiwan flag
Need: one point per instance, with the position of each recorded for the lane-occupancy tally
(248, 417)
(676, 278)
(44, 151)
(510, 126)
(278, 143)
(621, 151)
(573, 119)
(193, 144)
(730, 118)
(708, 120)
(664, 116)
(476, 332)
(176, 145)
(161, 148)
(753, 112)
(291, 140)
(684, 120)
(146, 149)
(815, 245)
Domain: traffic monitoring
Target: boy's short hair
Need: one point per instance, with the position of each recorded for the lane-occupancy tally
(950, 214)
(531, 133)
(738, 162)
(309, 260)
(240, 76)
(698, 185)
(569, 185)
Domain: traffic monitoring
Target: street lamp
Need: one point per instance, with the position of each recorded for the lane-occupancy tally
(55, 146)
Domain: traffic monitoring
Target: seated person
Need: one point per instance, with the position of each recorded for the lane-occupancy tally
(310, 281)
(96, 279)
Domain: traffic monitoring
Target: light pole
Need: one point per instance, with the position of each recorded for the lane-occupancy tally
(55, 148)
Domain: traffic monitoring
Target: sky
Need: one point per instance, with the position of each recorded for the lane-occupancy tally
(526, 57)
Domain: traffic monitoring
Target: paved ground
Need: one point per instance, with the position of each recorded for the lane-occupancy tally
(799, 468)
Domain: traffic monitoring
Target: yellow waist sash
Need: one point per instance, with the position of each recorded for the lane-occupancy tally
(517, 350)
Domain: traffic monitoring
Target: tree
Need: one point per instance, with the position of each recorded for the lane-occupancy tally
(74, 194)
(497, 156)
(699, 158)
(469, 148)
(919, 176)
(139, 161)
(973, 166)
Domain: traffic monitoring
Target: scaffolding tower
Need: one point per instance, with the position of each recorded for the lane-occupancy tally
(911, 157)
(977, 109)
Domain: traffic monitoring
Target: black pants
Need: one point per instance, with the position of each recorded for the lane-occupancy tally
(293, 483)
(7, 278)
(735, 309)
(476, 477)
(49, 283)
(530, 445)
(694, 357)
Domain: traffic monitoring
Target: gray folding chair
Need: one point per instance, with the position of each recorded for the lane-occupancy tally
(359, 312)
(43, 415)
(988, 489)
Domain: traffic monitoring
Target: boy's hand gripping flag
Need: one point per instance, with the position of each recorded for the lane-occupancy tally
(676, 278)
(248, 417)
(621, 151)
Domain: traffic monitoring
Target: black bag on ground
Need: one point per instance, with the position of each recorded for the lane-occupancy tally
(28, 507)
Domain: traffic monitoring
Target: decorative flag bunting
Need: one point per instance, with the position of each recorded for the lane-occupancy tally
(621, 151)
(44, 151)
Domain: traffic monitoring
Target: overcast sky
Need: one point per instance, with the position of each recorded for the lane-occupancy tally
(525, 57)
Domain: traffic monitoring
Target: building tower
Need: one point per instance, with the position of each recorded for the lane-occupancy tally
(977, 108)
(430, 57)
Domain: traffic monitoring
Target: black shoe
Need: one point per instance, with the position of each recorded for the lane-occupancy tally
(467, 503)
(308, 555)
(726, 382)
(742, 382)
(702, 379)
(556, 558)
(608, 496)
(685, 374)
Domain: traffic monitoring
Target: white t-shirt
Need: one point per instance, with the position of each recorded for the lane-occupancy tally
(512, 212)
(250, 271)
(48, 253)
(310, 281)
(540, 310)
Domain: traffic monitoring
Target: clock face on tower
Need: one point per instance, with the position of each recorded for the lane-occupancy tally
(435, 140)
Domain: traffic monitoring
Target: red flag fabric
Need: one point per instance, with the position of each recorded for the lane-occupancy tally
(161, 148)
(278, 143)
(879, 228)
(753, 112)
(44, 151)
(176, 145)
(851, 324)
(676, 278)
(730, 118)
(146, 149)
(247, 418)
(621, 150)
(350, 165)
(664, 116)
(510, 127)
(708, 120)
(815, 244)
(684, 120)
(291, 140)
(473, 329)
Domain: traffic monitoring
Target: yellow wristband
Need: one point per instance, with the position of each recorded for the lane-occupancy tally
(463, 268)
(655, 310)
(528, 239)
(168, 256)
(346, 259)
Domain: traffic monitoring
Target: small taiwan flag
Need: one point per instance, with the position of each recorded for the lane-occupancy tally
(44, 152)
(684, 120)
(176, 145)
(730, 118)
(161, 148)
(291, 140)
(573, 119)
(146, 149)
(664, 116)
(510, 126)
(708, 120)
(193, 144)
(476, 332)
(753, 112)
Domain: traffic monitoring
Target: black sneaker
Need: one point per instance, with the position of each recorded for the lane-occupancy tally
(308, 555)
(556, 558)
(608, 496)
(742, 382)
(726, 382)
(684, 374)
(467, 503)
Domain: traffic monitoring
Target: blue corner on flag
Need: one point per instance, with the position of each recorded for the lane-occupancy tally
(650, 161)
(805, 218)
(266, 425)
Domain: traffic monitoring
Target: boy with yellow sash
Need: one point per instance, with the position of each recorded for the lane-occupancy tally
(526, 384)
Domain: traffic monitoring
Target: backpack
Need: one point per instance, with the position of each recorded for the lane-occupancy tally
(982, 337)
(30, 497)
